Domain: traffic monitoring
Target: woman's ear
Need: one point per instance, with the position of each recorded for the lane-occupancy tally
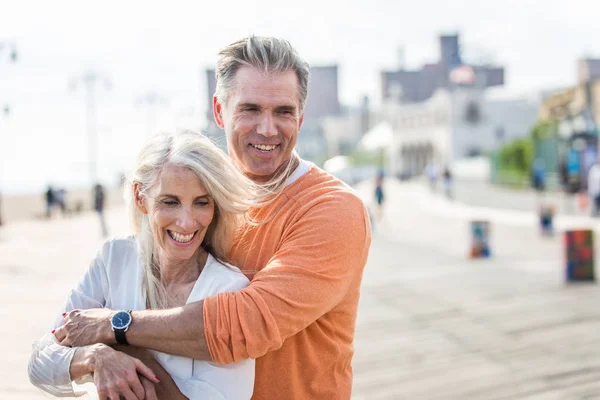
(139, 198)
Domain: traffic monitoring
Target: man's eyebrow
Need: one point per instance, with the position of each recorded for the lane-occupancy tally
(285, 108)
(247, 105)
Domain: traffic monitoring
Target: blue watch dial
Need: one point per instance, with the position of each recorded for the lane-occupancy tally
(121, 320)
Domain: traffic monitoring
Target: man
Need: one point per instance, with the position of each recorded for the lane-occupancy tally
(305, 258)
(593, 185)
(99, 199)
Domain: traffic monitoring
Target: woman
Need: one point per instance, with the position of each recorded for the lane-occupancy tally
(184, 200)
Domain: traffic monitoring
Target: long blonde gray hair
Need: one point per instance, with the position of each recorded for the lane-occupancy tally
(232, 192)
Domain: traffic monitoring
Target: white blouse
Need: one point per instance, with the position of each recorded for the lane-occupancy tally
(114, 281)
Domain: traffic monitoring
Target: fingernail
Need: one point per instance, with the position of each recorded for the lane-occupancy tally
(64, 314)
(156, 378)
(53, 330)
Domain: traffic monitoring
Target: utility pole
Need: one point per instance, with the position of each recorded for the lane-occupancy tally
(152, 101)
(12, 58)
(90, 79)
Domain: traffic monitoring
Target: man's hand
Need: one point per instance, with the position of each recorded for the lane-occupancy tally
(86, 327)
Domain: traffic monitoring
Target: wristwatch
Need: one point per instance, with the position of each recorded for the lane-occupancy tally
(120, 323)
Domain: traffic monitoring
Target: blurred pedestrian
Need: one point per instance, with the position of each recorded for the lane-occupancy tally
(447, 177)
(379, 196)
(431, 170)
(60, 198)
(539, 175)
(594, 188)
(50, 199)
(99, 199)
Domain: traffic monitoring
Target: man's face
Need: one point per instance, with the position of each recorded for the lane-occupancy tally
(261, 118)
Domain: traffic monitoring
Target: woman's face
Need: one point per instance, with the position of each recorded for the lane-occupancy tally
(179, 209)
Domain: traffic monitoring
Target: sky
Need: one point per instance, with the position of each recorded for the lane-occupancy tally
(146, 47)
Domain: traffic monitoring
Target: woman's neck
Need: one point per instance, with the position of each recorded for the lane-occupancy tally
(177, 272)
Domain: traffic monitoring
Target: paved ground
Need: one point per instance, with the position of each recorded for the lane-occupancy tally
(432, 324)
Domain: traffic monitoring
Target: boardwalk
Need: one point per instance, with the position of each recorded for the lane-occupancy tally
(432, 324)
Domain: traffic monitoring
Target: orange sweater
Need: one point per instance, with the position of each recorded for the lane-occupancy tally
(297, 317)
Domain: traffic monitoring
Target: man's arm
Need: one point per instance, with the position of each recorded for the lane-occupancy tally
(177, 331)
(306, 278)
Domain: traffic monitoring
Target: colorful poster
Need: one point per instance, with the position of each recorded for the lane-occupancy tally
(579, 250)
(480, 238)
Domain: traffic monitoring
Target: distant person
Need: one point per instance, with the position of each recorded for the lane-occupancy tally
(99, 199)
(593, 185)
(447, 181)
(539, 175)
(379, 196)
(60, 198)
(184, 200)
(50, 200)
(432, 172)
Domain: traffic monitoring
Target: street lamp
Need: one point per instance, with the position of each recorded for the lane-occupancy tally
(12, 58)
(90, 79)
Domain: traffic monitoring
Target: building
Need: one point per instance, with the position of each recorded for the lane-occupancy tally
(413, 86)
(323, 102)
(451, 125)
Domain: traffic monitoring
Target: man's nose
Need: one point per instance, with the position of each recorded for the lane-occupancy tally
(266, 126)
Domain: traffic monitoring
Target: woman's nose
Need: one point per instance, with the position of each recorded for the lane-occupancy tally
(187, 221)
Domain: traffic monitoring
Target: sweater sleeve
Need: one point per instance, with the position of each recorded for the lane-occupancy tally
(50, 363)
(320, 255)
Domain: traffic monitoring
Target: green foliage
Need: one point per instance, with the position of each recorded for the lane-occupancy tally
(517, 156)
(514, 161)
(543, 130)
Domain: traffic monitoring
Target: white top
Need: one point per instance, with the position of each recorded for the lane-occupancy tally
(113, 280)
(594, 180)
(302, 169)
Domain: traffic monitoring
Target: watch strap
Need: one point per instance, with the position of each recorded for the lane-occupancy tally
(120, 336)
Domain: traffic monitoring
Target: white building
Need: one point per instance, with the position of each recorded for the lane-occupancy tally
(452, 125)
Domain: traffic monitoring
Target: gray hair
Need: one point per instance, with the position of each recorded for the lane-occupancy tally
(266, 54)
(231, 191)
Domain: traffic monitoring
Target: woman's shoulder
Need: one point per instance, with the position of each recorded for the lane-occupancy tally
(226, 276)
(119, 245)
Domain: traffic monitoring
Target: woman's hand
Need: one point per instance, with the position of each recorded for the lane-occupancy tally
(116, 375)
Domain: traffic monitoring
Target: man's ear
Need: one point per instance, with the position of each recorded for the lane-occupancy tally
(218, 112)
(139, 198)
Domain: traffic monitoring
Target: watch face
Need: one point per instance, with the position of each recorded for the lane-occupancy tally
(121, 320)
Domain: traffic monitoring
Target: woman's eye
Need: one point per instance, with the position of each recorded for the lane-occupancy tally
(202, 203)
(169, 202)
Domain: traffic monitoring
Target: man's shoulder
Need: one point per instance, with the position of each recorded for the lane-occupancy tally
(319, 186)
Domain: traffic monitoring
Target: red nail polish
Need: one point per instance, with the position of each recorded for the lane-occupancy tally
(157, 378)
(64, 314)
(53, 330)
